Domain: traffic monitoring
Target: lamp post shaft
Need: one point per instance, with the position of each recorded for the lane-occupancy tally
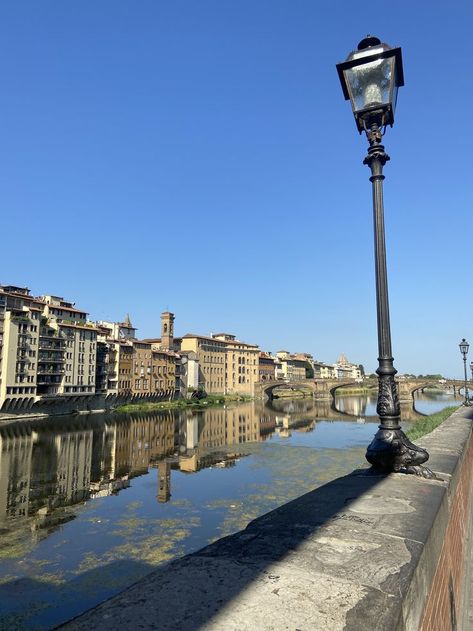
(467, 398)
(388, 407)
(390, 449)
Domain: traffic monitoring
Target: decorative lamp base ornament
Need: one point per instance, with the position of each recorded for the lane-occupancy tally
(391, 451)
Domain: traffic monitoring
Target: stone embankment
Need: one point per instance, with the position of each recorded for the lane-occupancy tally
(362, 552)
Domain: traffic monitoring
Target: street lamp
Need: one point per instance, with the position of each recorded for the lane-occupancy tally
(471, 368)
(464, 346)
(370, 78)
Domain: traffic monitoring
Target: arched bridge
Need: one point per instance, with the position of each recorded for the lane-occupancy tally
(327, 388)
(265, 389)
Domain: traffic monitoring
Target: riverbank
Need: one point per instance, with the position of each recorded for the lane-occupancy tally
(427, 424)
(210, 400)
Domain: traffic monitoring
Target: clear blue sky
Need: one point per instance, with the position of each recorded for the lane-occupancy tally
(198, 156)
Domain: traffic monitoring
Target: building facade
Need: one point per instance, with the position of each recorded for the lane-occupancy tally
(241, 365)
(47, 348)
(293, 368)
(344, 369)
(266, 367)
(211, 357)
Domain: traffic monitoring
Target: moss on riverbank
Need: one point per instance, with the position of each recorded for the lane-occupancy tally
(349, 391)
(429, 423)
(300, 393)
(210, 400)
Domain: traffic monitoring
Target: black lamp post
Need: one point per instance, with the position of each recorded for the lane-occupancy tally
(370, 78)
(471, 368)
(464, 346)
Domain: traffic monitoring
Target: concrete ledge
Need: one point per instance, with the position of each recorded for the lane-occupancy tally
(362, 552)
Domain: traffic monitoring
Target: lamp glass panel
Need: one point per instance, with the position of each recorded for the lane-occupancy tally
(371, 84)
(464, 346)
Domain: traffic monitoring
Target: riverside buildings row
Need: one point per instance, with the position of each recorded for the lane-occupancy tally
(50, 350)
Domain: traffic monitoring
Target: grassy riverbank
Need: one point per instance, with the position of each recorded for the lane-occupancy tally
(210, 400)
(429, 423)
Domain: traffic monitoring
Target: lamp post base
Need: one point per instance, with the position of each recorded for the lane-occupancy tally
(391, 451)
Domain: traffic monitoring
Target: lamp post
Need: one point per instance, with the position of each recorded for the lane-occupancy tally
(471, 368)
(370, 78)
(464, 346)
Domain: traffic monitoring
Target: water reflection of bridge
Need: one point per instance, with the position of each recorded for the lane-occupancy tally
(327, 410)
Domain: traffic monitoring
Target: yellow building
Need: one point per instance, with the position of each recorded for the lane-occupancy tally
(226, 365)
(211, 356)
(241, 365)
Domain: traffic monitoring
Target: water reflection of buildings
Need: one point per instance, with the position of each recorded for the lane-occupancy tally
(48, 468)
(203, 433)
(285, 425)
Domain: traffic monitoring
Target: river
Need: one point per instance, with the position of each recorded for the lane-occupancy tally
(90, 504)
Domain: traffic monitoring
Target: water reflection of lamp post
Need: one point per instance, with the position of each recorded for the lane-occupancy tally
(370, 78)
(464, 346)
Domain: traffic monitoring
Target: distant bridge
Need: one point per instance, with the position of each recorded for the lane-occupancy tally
(327, 388)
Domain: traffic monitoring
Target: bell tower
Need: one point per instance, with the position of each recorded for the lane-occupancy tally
(164, 481)
(167, 330)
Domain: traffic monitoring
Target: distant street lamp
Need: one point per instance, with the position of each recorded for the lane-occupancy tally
(370, 78)
(464, 346)
(471, 368)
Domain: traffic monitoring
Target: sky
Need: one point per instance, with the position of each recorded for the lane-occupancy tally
(198, 156)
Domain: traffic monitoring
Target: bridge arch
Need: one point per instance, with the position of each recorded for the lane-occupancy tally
(352, 384)
(266, 388)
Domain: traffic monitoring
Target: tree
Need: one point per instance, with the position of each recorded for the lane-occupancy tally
(309, 371)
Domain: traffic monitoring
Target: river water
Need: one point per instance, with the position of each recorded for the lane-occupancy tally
(90, 504)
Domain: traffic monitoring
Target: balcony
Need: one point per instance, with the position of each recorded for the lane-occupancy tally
(57, 345)
(24, 342)
(48, 381)
(48, 334)
(57, 370)
(49, 359)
